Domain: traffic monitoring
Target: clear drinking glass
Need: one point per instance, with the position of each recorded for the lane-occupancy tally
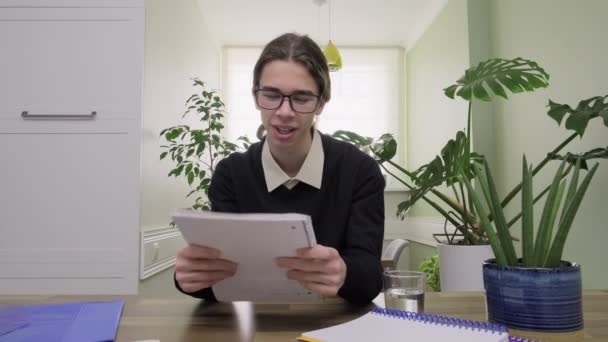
(404, 290)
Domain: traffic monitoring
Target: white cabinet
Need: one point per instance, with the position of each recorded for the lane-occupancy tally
(70, 179)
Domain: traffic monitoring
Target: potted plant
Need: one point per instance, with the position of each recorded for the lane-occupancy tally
(538, 291)
(196, 152)
(467, 243)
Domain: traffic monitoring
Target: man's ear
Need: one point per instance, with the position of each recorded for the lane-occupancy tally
(320, 109)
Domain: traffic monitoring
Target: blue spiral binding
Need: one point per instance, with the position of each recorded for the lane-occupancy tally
(445, 320)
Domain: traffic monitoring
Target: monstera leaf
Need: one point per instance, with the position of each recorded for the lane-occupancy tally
(579, 117)
(492, 76)
(443, 169)
(572, 158)
(385, 147)
(353, 138)
(382, 149)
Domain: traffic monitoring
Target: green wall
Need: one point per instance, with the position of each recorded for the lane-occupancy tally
(567, 38)
(437, 60)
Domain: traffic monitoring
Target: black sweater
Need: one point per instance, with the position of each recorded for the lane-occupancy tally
(347, 212)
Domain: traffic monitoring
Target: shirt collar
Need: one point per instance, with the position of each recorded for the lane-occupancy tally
(310, 173)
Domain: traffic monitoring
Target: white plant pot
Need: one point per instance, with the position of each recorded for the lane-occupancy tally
(460, 267)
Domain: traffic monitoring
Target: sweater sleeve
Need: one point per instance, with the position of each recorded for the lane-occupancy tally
(364, 237)
(222, 197)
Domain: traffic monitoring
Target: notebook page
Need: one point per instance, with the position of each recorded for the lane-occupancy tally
(377, 327)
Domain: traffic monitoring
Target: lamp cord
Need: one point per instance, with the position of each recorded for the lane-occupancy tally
(319, 23)
(329, 20)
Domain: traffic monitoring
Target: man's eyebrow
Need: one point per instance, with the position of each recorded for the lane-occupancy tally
(307, 92)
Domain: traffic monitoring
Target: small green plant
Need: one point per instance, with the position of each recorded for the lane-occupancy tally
(196, 152)
(430, 267)
(546, 249)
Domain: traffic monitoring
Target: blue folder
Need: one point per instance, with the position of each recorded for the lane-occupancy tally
(67, 322)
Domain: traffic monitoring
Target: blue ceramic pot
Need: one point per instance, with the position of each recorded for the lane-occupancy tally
(538, 299)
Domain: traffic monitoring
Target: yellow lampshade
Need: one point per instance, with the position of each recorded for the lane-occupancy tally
(334, 61)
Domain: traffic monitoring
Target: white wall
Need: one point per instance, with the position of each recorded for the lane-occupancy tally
(178, 47)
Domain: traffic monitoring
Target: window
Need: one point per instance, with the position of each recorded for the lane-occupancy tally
(367, 94)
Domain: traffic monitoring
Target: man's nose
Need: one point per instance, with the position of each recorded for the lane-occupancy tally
(285, 108)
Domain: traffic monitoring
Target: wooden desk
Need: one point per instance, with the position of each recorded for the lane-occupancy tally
(187, 319)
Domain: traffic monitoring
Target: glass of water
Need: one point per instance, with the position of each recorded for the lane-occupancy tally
(404, 290)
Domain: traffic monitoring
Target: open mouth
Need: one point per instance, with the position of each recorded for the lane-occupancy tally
(284, 130)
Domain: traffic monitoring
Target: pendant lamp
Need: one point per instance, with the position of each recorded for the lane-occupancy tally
(334, 60)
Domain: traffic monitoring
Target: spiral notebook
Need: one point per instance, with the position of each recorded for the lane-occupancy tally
(395, 325)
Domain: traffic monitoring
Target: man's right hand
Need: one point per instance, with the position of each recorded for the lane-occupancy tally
(198, 267)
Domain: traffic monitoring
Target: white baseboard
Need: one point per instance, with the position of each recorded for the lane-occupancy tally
(158, 249)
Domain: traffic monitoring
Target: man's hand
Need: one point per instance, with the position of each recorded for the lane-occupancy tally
(199, 267)
(318, 268)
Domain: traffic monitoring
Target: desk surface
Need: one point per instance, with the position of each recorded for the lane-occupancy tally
(187, 319)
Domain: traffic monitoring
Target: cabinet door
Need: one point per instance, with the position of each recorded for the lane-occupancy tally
(69, 214)
(69, 186)
(63, 64)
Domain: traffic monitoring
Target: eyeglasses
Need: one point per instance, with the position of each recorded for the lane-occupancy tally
(299, 102)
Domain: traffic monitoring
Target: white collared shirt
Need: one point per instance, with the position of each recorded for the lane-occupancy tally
(310, 173)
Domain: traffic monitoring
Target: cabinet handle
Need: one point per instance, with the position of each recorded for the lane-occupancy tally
(26, 115)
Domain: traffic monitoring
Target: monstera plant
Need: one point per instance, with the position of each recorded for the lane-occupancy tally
(457, 162)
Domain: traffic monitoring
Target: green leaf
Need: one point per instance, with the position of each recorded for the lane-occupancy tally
(527, 213)
(572, 188)
(190, 177)
(201, 148)
(497, 248)
(188, 168)
(385, 147)
(451, 91)
(558, 111)
(352, 138)
(198, 82)
(604, 115)
(502, 230)
(497, 88)
(163, 155)
(402, 209)
(490, 77)
(480, 93)
(557, 247)
(578, 121)
(444, 168)
(545, 228)
(578, 118)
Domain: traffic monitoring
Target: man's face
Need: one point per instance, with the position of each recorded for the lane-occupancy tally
(286, 128)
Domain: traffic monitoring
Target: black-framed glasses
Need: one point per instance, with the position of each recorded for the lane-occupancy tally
(302, 103)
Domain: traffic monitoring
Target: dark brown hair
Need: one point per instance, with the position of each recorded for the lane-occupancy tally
(300, 49)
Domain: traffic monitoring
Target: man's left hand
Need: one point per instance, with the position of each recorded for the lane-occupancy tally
(318, 268)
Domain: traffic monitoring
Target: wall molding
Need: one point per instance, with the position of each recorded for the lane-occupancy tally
(157, 250)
